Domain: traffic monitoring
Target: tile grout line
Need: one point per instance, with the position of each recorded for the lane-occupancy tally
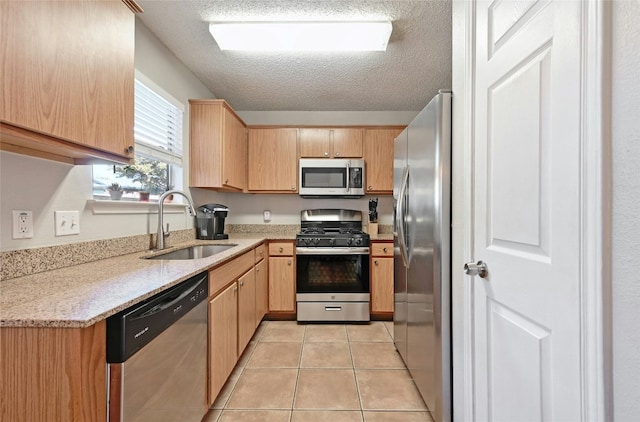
(295, 387)
(355, 376)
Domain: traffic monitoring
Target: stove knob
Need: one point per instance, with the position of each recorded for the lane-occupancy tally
(316, 241)
(349, 240)
(307, 241)
(332, 242)
(358, 242)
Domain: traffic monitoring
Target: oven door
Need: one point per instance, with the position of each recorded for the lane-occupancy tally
(332, 270)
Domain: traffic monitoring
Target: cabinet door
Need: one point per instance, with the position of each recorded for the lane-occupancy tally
(246, 308)
(262, 291)
(68, 72)
(315, 143)
(273, 160)
(217, 146)
(223, 338)
(282, 284)
(347, 143)
(378, 156)
(382, 284)
(233, 151)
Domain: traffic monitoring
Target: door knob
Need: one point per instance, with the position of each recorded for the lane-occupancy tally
(476, 268)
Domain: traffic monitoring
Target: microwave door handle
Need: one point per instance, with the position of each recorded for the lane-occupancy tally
(348, 175)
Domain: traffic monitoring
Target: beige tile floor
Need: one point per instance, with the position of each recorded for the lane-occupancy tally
(320, 372)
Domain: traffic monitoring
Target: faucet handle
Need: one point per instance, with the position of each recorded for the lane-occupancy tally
(166, 234)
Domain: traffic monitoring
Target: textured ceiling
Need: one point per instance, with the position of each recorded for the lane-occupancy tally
(416, 64)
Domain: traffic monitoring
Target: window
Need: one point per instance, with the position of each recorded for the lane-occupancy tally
(158, 143)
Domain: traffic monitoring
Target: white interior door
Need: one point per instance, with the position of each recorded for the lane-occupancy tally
(526, 312)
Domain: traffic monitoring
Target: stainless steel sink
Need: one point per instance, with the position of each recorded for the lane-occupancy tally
(194, 252)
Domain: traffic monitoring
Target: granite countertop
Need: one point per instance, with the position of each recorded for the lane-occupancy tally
(381, 237)
(81, 295)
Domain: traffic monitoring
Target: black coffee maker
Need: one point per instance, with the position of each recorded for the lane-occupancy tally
(210, 221)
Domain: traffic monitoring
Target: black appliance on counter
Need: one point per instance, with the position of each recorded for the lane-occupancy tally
(332, 267)
(210, 222)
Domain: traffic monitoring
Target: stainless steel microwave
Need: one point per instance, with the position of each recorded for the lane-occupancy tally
(332, 177)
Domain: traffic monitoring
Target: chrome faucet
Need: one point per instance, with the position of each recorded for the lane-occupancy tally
(161, 233)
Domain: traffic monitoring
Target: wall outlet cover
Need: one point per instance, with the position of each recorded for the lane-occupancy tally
(22, 224)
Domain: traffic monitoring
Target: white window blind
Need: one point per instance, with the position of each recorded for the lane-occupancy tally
(158, 126)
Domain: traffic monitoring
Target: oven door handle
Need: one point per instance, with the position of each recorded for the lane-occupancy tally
(332, 251)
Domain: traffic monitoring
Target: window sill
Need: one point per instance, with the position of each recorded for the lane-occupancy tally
(133, 207)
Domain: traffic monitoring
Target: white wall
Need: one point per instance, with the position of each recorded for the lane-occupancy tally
(43, 186)
(626, 215)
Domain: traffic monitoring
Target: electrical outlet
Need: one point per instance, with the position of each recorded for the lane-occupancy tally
(67, 223)
(22, 224)
(266, 215)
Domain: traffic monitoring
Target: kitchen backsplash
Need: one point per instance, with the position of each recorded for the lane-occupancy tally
(23, 262)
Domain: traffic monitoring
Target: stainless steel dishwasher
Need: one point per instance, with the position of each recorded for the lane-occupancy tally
(157, 356)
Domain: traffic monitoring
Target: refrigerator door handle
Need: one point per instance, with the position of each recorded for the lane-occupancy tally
(401, 217)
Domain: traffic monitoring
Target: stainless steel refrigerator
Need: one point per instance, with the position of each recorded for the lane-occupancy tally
(422, 249)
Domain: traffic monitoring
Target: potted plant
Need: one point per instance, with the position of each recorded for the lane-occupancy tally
(169, 197)
(115, 191)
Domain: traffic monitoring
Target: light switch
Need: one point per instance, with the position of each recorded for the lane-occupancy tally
(67, 223)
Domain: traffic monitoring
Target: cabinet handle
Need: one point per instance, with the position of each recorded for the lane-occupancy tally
(226, 181)
(289, 262)
(375, 262)
(326, 154)
(280, 249)
(257, 270)
(129, 149)
(370, 187)
(235, 288)
(261, 253)
(337, 154)
(293, 187)
(242, 283)
(384, 250)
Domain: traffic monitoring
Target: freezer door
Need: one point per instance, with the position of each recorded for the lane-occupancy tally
(428, 279)
(400, 271)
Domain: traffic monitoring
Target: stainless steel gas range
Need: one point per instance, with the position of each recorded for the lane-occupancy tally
(332, 268)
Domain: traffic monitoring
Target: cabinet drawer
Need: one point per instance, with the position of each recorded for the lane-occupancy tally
(226, 273)
(381, 249)
(281, 249)
(333, 311)
(260, 252)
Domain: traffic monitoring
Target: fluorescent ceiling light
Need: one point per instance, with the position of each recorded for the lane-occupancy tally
(301, 36)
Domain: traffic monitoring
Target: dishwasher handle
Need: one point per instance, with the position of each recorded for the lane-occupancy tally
(168, 301)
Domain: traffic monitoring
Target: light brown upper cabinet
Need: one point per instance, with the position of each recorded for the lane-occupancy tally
(330, 143)
(272, 160)
(217, 146)
(67, 79)
(378, 157)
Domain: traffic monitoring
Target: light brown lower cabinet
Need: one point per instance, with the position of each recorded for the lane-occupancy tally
(382, 277)
(262, 291)
(282, 277)
(246, 308)
(53, 374)
(233, 313)
(223, 335)
(282, 287)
